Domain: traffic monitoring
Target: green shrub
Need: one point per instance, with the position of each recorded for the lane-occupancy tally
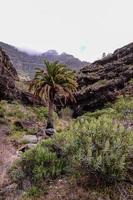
(16, 113)
(98, 146)
(32, 193)
(124, 107)
(42, 162)
(42, 113)
(16, 173)
(66, 113)
(95, 144)
(103, 147)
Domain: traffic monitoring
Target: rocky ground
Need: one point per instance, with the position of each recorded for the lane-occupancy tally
(7, 155)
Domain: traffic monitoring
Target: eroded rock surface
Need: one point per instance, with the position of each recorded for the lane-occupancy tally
(8, 76)
(103, 80)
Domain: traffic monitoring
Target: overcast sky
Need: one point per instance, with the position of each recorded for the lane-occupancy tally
(84, 28)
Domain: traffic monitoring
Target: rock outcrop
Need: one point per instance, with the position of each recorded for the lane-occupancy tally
(103, 80)
(8, 76)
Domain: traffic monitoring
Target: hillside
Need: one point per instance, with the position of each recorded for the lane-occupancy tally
(90, 157)
(104, 80)
(24, 62)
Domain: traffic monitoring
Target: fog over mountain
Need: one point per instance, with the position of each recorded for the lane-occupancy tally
(27, 60)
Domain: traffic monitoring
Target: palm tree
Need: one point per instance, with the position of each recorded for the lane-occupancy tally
(56, 81)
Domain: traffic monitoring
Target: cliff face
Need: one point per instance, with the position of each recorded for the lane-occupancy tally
(103, 80)
(8, 76)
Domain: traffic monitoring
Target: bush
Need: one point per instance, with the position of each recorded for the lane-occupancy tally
(16, 173)
(102, 147)
(42, 162)
(66, 113)
(124, 107)
(95, 144)
(32, 193)
(42, 113)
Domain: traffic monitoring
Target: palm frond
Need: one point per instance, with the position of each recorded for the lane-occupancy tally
(57, 79)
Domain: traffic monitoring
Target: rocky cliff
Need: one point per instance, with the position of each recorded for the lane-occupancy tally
(8, 76)
(104, 80)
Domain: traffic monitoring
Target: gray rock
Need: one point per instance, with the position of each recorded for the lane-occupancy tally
(4, 129)
(41, 132)
(26, 184)
(28, 139)
(50, 131)
(30, 145)
(26, 147)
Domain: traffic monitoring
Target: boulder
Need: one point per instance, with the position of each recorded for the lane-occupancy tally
(50, 131)
(28, 139)
(26, 147)
(41, 134)
(4, 129)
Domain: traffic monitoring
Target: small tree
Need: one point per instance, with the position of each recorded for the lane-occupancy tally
(57, 80)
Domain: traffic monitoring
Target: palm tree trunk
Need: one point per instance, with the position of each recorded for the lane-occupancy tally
(50, 115)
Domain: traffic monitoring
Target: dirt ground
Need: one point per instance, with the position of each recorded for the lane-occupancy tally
(7, 155)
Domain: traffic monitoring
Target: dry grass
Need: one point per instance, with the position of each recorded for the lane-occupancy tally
(69, 189)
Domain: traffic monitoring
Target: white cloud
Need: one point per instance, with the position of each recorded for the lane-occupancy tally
(67, 25)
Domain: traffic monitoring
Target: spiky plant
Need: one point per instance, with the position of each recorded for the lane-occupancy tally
(57, 80)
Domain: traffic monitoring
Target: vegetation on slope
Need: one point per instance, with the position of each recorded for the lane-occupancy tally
(94, 151)
(14, 113)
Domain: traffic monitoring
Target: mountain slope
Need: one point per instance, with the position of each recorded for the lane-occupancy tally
(24, 62)
(104, 80)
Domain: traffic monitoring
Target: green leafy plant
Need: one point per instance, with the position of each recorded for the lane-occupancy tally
(42, 113)
(103, 147)
(43, 162)
(33, 193)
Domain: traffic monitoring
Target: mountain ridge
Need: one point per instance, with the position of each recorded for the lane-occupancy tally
(28, 62)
